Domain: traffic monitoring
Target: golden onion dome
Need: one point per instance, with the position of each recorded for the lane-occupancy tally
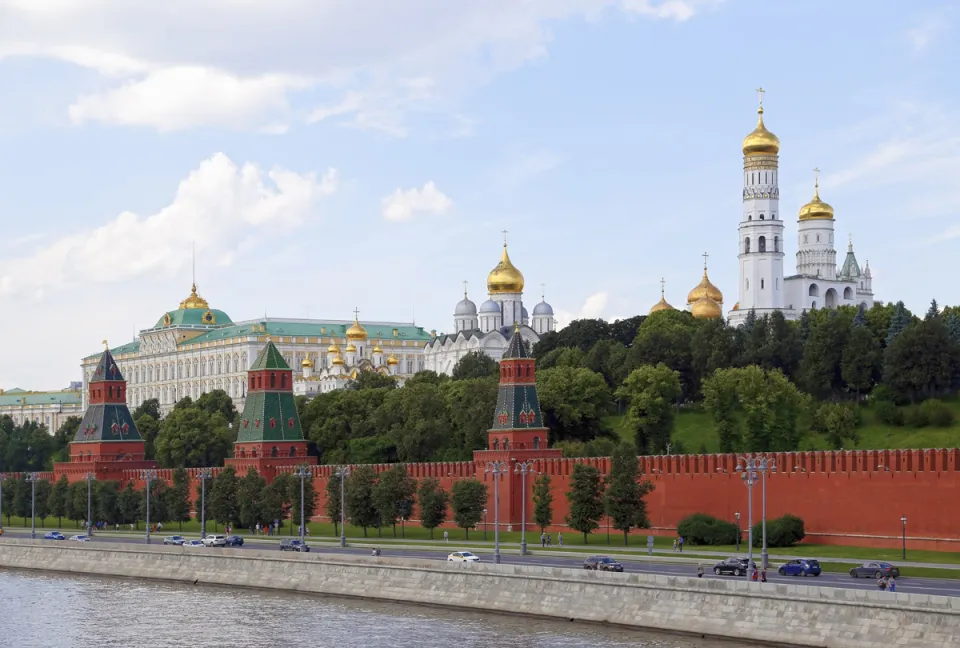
(307, 363)
(333, 348)
(706, 308)
(337, 360)
(760, 141)
(393, 360)
(356, 331)
(505, 278)
(661, 305)
(194, 300)
(705, 289)
(376, 348)
(351, 348)
(736, 306)
(816, 209)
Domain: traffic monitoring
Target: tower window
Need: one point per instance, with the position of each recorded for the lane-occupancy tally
(818, 238)
(761, 216)
(746, 245)
(747, 281)
(806, 239)
(750, 217)
(762, 244)
(773, 217)
(776, 243)
(761, 284)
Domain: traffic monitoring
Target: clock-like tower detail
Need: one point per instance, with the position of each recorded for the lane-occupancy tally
(761, 227)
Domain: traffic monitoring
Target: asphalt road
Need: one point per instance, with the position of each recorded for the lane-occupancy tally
(906, 584)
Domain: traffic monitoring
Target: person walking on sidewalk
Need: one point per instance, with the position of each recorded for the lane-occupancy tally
(543, 539)
(681, 544)
(559, 539)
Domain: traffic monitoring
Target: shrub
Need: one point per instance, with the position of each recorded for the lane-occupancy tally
(783, 531)
(703, 529)
(888, 413)
(937, 413)
(884, 393)
(916, 416)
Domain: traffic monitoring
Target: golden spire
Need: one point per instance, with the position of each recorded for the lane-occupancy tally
(356, 331)
(816, 209)
(105, 345)
(376, 347)
(194, 300)
(505, 277)
(761, 141)
(661, 305)
(705, 288)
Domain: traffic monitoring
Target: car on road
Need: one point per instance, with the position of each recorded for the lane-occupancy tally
(192, 544)
(735, 566)
(215, 540)
(800, 567)
(463, 557)
(875, 570)
(233, 541)
(174, 540)
(602, 563)
(53, 535)
(294, 544)
(80, 538)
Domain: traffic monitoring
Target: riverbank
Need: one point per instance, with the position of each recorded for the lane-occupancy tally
(800, 615)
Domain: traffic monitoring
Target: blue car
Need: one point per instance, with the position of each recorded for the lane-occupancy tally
(800, 567)
(53, 535)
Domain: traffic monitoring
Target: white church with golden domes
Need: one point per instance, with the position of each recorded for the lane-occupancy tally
(763, 288)
(490, 328)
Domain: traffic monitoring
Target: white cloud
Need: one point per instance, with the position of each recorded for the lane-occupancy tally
(523, 168)
(402, 205)
(922, 35)
(593, 308)
(374, 61)
(216, 206)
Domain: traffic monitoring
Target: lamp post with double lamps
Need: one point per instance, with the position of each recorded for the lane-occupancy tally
(737, 515)
(751, 468)
(148, 476)
(90, 477)
(497, 469)
(342, 473)
(302, 472)
(204, 475)
(522, 469)
(32, 478)
(3, 478)
(484, 522)
(903, 534)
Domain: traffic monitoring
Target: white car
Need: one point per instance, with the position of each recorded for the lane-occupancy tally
(80, 538)
(462, 557)
(215, 540)
(193, 544)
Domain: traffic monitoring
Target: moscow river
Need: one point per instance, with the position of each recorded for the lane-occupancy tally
(43, 610)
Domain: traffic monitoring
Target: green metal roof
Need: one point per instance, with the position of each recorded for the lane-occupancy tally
(18, 396)
(269, 358)
(193, 317)
(293, 328)
(269, 416)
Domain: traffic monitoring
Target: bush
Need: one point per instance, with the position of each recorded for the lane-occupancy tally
(915, 416)
(936, 413)
(886, 394)
(703, 529)
(888, 413)
(783, 531)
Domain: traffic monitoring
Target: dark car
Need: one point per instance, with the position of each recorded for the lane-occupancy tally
(800, 567)
(234, 541)
(735, 566)
(293, 545)
(602, 563)
(875, 570)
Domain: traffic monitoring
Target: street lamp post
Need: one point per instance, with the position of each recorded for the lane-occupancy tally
(3, 478)
(302, 473)
(32, 478)
(204, 475)
(497, 469)
(342, 472)
(737, 515)
(484, 521)
(903, 531)
(148, 476)
(751, 468)
(403, 532)
(90, 477)
(522, 469)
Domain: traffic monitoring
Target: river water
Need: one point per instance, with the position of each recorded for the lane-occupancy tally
(50, 610)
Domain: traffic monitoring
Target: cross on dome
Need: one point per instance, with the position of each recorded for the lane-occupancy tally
(760, 90)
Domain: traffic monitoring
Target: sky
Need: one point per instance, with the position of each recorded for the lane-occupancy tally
(327, 155)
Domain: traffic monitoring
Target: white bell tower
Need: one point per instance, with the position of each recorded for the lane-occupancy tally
(761, 227)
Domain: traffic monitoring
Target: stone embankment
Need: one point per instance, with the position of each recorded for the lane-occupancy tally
(799, 615)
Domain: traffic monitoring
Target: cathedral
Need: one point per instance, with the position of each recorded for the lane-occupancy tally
(490, 328)
(817, 283)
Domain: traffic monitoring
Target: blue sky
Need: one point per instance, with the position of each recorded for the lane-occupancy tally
(329, 154)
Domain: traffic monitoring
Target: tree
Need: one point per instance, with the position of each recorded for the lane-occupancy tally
(922, 361)
(372, 380)
(651, 392)
(22, 497)
(128, 504)
(219, 402)
(821, 367)
(158, 502)
(275, 502)
(360, 508)
(609, 359)
(191, 437)
(624, 331)
(468, 501)
(250, 489)
(9, 493)
(542, 502)
(414, 420)
(42, 506)
(932, 312)
(107, 498)
(475, 364)
(625, 491)
(58, 499)
(899, 319)
(393, 496)
(838, 423)
(223, 495)
(714, 346)
(432, 501)
(583, 333)
(860, 361)
(586, 500)
(178, 498)
(333, 509)
(667, 337)
(952, 321)
(574, 403)
(149, 407)
(64, 435)
(548, 342)
(149, 428)
(309, 498)
(469, 404)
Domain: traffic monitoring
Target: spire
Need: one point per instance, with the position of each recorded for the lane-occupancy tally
(816, 183)
(850, 243)
(269, 358)
(465, 288)
(516, 348)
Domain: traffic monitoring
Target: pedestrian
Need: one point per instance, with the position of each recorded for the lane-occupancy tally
(559, 539)
(763, 575)
(446, 537)
(543, 539)
(893, 584)
(681, 544)
(699, 571)
(549, 541)
(675, 541)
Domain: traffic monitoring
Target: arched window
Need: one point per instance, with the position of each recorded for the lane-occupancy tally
(273, 380)
(746, 245)
(293, 451)
(761, 216)
(274, 451)
(848, 293)
(747, 282)
(813, 305)
(761, 284)
(506, 444)
(283, 381)
(813, 291)
(750, 217)
(762, 244)
(536, 443)
(776, 243)
(496, 444)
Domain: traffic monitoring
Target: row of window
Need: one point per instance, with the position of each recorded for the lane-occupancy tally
(761, 177)
(762, 217)
(761, 244)
(505, 445)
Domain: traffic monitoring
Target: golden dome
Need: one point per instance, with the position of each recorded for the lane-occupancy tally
(705, 289)
(393, 360)
(505, 278)
(736, 306)
(351, 348)
(307, 363)
(816, 209)
(356, 331)
(706, 308)
(333, 348)
(661, 305)
(337, 360)
(376, 347)
(194, 300)
(760, 141)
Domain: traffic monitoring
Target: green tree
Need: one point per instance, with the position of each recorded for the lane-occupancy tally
(58, 499)
(414, 420)
(149, 428)
(79, 498)
(838, 423)
(393, 496)
(332, 507)
(922, 361)
(359, 498)
(178, 498)
(22, 497)
(224, 496)
(372, 380)
(586, 500)
(624, 331)
(821, 368)
(191, 437)
(548, 342)
(625, 492)
(713, 346)
(9, 494)
(65, 435)
(574, 403)
(309, 498)
(250, 489)
(583, 334)
(469, 404)
(219, 402)
(542, 502)
(158, 502)
(432, 501)
(652, 393)
(609, 359)
(42, 506)
(932, 312)
(107, 501)
(860, 362)
(128, 504)
(469, 499)
(667, 337)
(475, 364)
(564, 357)
(952, 322)
(900, 318)
(149, 407)
(275, 502)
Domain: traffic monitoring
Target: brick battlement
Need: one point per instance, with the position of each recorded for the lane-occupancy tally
(440, 470)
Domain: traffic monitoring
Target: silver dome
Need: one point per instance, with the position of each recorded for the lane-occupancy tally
(524, 315)
(465, 307)
(490, 306)
(543, 308)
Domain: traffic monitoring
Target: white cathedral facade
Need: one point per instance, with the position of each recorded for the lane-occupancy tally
(818, 282)
(490, 328)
